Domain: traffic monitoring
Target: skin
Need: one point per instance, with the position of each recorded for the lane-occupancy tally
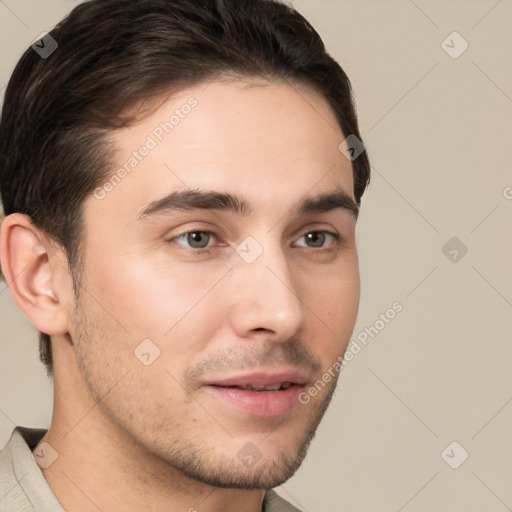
(132, 437)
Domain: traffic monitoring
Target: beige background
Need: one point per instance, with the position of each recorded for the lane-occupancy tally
(438, 131)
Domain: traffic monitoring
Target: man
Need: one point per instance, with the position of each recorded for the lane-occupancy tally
(181, 182)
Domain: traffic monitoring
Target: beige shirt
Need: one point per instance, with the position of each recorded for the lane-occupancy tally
(23, 487)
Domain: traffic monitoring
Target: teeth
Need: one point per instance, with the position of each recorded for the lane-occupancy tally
(251, 388)
(273, 387)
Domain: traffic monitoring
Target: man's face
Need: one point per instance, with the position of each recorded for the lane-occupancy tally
(264, 297)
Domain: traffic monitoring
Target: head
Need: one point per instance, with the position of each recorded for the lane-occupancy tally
(176, 166)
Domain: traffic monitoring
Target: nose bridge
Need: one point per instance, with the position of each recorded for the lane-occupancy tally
(268, 289)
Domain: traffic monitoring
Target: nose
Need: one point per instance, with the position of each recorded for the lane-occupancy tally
(267, 298)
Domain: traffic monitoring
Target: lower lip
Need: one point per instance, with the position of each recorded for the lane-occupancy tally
(259, 403)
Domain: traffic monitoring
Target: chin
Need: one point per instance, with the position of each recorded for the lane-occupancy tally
(265, 474)
(236, 471)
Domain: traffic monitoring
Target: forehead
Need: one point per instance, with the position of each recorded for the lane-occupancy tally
(264, 141)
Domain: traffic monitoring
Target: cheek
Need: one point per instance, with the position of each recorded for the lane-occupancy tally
(151, 296)
(333, 300)
(342, 300)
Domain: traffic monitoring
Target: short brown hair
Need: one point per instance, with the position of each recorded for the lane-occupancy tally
(113, 54)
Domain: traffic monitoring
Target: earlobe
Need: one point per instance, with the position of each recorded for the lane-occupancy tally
(30, 275)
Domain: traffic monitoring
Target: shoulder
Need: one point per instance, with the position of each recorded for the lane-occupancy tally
(23, 487)
(11, 492)
(274, 503)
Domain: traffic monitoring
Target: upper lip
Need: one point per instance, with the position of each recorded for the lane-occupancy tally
(261, 379)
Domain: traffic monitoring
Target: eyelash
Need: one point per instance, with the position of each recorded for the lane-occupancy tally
(335, 235)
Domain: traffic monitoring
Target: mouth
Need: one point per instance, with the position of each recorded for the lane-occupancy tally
(271, 387)
(261, 394)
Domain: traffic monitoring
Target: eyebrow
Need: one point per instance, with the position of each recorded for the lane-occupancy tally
(188, 200)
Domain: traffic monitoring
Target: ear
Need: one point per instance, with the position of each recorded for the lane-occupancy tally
(33, 276)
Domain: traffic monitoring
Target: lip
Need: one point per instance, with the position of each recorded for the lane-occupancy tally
(266, 404)
(261, 378)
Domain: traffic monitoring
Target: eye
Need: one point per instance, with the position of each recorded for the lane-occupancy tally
(197, 240)
(318, 238)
